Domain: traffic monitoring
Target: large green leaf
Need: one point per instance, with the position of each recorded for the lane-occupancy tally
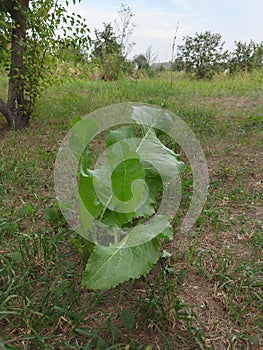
(130, 258)
(152, 118)
(113, 218)
(140, 234)
(109, 266)
(163, 159)
(117, 190)
(121, 151)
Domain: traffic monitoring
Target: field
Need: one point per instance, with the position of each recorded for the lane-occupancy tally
(206, 295)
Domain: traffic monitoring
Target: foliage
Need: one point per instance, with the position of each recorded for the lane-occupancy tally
(179, 64)
(68, 50)
(246, 57)
(107, 53)
(35, 42)
(141, 62)
(201, 55)
(5, 30)
(105, 43)
(112, 46)
(42, 45)
(112, 66)
(117, 197)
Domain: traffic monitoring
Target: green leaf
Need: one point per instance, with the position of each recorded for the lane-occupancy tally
(123, 176)
(119, 134)
(130, 258)
(163, 159)
(152, 119)
(50, 214)
(109, 266)
(95, 194)
(121, 151)
(89, 196)
(81, 133)
(155, 185)
(75, 121)
(113, 218)
(140, 234)
(122, 191)
(114, 331)
(151, 149)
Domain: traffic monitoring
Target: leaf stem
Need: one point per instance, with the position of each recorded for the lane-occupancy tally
(140, 144)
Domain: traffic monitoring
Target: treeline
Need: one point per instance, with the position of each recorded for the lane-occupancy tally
(107, 54)
(203, 55)
(40, 41)
(200, 56)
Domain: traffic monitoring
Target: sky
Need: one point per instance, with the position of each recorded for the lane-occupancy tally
(156, 21)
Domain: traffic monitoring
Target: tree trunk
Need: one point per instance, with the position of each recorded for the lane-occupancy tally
(16, 109)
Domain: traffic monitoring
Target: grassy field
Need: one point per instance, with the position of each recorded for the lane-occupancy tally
(207, 295)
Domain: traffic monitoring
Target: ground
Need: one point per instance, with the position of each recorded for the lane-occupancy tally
(206, 295)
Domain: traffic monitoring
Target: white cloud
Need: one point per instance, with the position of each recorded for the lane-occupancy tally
(156, 21)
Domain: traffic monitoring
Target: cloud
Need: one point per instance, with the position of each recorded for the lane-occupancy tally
(156, 21)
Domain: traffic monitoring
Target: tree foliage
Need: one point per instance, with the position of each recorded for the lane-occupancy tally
(246, 57)
(141, 62)
(107, 53)
(201, 55)
(112, 45)
(29, 45)
(105, 43)
(70, 51)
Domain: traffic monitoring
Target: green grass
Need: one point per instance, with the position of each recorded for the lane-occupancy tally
(206, 295)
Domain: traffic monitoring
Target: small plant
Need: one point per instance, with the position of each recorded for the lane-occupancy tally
(117, 197)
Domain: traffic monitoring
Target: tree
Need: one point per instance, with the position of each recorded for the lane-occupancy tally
(33, 41)
(105, 43)
(150, 55)
(141, 62)
(246, 57)
(107, 53)
(202, 55)
(178, 64)
(258, 56)
(70, 51)
(124, 29)
(16, 109)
